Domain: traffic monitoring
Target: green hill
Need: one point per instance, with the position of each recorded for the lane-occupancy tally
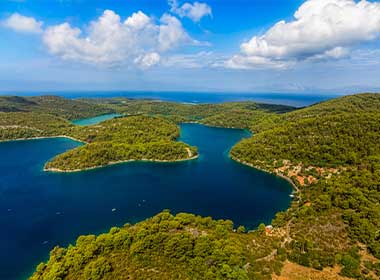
(17, 125)
(166, 247)
(331, 152)
(123, 139)
(66, 108)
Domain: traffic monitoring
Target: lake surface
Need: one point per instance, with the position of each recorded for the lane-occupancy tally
(95, 120)
(39, 210)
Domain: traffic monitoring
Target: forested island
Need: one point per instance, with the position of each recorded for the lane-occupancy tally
(330, 152)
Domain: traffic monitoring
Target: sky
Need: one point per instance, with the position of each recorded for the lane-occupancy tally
(292, 46)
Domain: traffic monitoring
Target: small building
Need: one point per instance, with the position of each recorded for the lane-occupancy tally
(268, 229)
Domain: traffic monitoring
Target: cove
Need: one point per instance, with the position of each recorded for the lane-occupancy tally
(95, 120)
(40, 210)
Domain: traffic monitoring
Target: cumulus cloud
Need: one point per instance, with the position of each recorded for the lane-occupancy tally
(321, 29)
(195, 11)
(171, 33)
(110, 40)
(20, 23)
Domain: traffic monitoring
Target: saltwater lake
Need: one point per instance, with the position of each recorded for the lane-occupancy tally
(40, 210)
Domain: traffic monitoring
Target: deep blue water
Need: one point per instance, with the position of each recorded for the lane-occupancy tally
(95, 120)
(293, 99)
(39, 210)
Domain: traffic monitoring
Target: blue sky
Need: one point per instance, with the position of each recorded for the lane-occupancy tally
(212, 45)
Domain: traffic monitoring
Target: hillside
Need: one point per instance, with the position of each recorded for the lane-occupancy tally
(331, 152)
(62, 107)
(358, 103)
(166, 247)
(317, 140)
(17, 125)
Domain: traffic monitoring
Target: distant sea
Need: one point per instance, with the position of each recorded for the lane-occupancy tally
(293, 99)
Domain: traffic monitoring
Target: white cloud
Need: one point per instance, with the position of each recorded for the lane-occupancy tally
(321, 29)
(109, 40)
(147, 60)
(171, 33)
(194, 11)
(138, 20)
(335, 53)
(255, 62)
(23, 24)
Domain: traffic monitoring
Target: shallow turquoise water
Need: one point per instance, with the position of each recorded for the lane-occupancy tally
(95, 120)
(39, 210)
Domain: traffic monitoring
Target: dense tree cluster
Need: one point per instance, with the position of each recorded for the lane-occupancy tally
(105, 153)
(184, 246)
(17, 125)
(123, 139)
(326, 141)
(129, 130)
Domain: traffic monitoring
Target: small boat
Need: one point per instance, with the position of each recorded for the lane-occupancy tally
(113, 209)
(292, 195)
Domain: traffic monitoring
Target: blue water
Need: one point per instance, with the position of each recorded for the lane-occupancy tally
(39, 210)
(292, 99)
(95, 120)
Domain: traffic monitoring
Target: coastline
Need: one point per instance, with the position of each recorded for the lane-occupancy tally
(296, 189)
(57, 170)
(44, 137)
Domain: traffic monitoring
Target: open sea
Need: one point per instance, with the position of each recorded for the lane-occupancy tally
(292, 99)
